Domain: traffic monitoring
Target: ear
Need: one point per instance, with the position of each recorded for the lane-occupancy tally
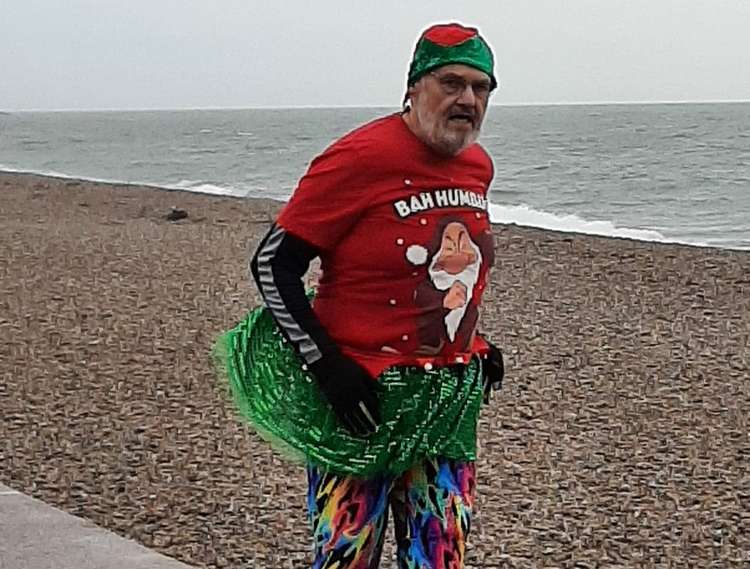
(411, 92)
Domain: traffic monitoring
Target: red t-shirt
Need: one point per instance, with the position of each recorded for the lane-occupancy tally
(405, 245)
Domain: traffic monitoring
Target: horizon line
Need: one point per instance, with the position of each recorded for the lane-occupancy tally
(376, 106)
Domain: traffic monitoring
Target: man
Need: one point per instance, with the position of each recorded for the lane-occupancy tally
(384, 403)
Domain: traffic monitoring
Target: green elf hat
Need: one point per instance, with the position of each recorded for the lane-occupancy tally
(443, 44)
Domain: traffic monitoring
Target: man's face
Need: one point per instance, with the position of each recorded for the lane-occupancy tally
(448, 106)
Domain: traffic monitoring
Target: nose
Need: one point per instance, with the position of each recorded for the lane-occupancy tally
(467, 96)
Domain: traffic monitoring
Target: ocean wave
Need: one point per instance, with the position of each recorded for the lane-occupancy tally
(728, 243)
(184, 185)
(206, 188)
(64, 176)
(569, 223)
(532, 168)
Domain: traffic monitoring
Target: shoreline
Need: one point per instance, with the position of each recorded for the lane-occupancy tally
(391, 106)
(5, 174)
(620, 435)
(115, 183)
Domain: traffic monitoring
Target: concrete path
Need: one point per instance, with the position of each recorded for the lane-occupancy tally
(34, 535)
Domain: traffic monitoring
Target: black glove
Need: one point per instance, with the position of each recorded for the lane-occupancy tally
(493, 371)
(350, 390)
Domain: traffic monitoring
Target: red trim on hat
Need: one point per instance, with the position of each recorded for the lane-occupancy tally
(447, 35)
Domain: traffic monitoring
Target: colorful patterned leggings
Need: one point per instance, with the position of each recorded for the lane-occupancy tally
(431, 505)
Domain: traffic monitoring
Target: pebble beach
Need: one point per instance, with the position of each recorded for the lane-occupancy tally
(620, 439)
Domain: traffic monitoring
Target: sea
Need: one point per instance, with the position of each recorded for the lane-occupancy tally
(673, 172)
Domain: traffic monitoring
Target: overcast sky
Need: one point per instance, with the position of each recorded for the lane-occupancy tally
(134, 54)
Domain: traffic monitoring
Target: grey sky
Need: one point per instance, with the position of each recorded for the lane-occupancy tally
(104, 54)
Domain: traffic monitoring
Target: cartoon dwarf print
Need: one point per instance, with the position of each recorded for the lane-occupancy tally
(454, 269)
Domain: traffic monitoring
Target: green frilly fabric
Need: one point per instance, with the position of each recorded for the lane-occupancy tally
(424, 413)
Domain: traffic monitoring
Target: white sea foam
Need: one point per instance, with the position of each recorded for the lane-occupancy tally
(186, 185)
(526, 216)
(204, 188)
(55, 174)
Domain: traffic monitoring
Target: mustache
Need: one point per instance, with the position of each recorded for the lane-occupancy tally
(464, 112)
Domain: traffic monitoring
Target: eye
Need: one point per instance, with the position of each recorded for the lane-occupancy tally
(481, 89)
(453, 84)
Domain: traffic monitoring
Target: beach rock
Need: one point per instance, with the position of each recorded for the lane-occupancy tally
(175, 214)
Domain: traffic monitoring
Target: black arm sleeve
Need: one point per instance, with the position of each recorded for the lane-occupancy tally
(278, 266)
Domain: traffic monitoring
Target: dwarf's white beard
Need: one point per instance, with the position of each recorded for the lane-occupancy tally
(444, 280)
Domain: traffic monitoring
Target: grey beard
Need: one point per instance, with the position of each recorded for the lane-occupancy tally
(456, 143)
(450, 143)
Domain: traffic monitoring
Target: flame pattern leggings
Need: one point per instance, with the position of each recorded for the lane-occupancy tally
(431, 505)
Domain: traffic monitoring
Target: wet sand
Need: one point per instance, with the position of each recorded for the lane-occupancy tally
(620, 438)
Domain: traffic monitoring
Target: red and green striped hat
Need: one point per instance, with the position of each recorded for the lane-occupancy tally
(443, 44)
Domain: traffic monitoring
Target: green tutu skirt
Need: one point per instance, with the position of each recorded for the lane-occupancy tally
(424, 413)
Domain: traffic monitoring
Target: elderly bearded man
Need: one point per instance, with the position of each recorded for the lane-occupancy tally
(378, 383)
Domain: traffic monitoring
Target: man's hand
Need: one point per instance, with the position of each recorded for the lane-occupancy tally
(351, 392)
(493, 370)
